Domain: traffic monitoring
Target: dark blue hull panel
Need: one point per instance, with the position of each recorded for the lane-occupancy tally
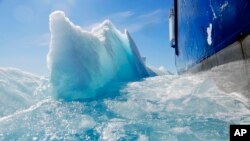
(226, 20)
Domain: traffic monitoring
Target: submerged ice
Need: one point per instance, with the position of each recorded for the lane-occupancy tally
(83, 65)
(162, 108)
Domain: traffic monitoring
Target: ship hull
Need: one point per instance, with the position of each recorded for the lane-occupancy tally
(211, 32)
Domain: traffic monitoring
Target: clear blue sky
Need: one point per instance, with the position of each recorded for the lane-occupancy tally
(24, 28)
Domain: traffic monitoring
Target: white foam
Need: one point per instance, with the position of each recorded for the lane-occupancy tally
(143, 138)
(30, 109)
(180, 130)
(165, 107)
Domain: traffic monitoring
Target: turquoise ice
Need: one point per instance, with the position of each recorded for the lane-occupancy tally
(161, 108)
(83, 64)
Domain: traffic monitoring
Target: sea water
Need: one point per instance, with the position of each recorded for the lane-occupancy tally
(191, 107)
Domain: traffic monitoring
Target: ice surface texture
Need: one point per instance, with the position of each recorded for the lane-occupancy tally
(19, 90)
(84, 64)
(163, 108)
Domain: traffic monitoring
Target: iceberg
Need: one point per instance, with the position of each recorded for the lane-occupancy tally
(85, 64)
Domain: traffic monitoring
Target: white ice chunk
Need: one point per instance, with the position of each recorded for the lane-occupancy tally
(82, 64)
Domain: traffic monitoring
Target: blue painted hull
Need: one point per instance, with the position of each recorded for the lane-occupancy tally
(205, 27)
